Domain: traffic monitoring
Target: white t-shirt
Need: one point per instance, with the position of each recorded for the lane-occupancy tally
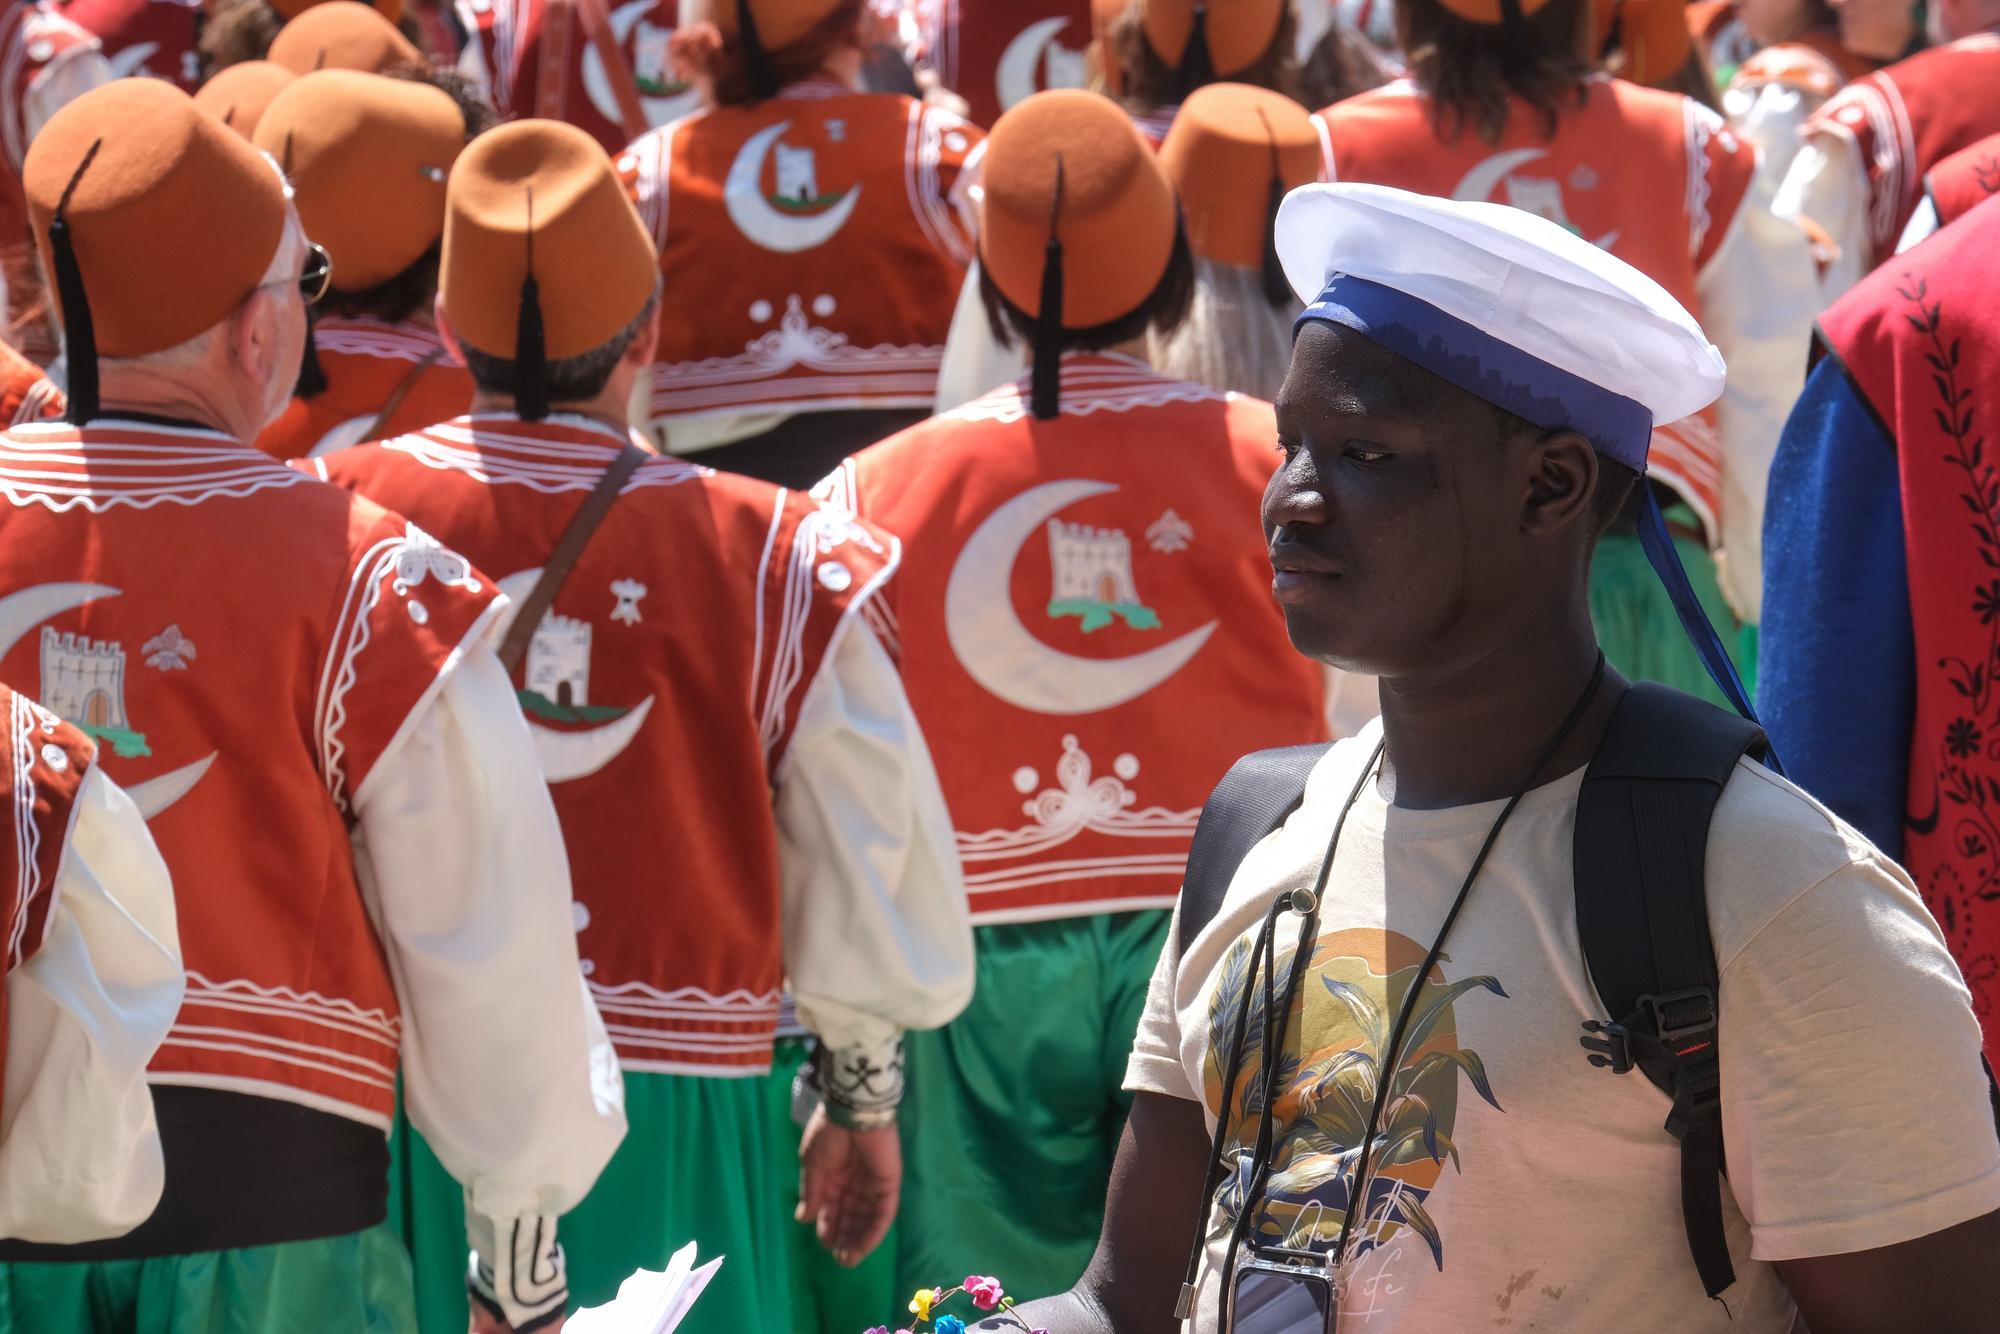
(1522, 1188)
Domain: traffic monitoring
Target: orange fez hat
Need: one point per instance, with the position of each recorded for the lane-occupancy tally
(1078, 220)
(367, 157)
(764, 26)
(155, 221)
(391, 10)
(1653, 34)
(544, 255)
(1233, 153)
(342, 34)
(238, 94)
(1204, 40)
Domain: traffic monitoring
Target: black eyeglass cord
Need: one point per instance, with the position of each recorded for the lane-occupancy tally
(1277, 1019)
(1392, 1058)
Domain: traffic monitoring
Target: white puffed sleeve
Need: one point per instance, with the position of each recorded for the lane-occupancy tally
(64, 79)
(1828, 184)
(1759, 295)
(876, 930)
(1770, 116)
(79, 1151)
(507, 1070)
(1922, 226)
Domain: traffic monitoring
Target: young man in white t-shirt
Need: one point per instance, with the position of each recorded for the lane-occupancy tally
(1467, 407)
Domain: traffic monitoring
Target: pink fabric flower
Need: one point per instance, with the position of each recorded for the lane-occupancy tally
(984, 1291)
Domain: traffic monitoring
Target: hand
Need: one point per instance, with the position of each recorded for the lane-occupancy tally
(850, 1182)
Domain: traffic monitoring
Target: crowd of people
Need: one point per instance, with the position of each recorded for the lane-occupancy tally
(744, 535)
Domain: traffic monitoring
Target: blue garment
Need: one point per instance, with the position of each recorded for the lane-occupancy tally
(1837, 673)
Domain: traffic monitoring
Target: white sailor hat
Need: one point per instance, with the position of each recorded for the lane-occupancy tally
(1507, 305)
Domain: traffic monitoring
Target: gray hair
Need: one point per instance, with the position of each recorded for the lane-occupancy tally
(1233, 337)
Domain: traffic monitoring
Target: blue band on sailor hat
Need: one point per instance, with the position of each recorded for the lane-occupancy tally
(1492, 368)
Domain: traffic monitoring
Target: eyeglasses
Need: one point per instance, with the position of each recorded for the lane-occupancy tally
(314, 279)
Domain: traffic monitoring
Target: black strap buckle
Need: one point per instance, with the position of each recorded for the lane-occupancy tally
(1610, 1045)
(1684, 1021)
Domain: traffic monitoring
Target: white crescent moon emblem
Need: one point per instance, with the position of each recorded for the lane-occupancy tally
(156, 794)
(753, 214)
(1485, 176)
(127, 62)
(572, 754)
(23, 611)
(597, 82)
(1014, 77)
(997, 650)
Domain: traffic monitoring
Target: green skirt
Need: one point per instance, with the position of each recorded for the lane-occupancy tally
(359, 1282)
(1014, 1110)
(1638, 628)
(696, 1165)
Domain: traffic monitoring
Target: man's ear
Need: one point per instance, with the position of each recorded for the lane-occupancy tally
(253, 339)
(639, 352)
(1562, 476)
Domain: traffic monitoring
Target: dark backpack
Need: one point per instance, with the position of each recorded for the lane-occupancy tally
(1642, 821)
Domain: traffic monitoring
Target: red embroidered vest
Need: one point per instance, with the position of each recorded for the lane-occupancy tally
(817, 235)
(367, 363)
(1087, 630)
(1655, 178)
(540, 62)
(1920, 338)
(661, 689)
(1964, 180)
(150, 39)
(243, 643)
(994, 55)
(1907, 117)
(31, 38)
(42, 760)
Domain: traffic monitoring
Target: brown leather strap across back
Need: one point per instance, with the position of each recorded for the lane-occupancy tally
(569, 549)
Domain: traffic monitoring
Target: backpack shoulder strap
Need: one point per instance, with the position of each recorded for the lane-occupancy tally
(1642, 820)
(1252, 799)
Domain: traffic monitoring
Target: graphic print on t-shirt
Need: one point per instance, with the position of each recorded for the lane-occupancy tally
(1335, 1038)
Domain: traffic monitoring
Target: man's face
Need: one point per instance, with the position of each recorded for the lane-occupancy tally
(1394, 517)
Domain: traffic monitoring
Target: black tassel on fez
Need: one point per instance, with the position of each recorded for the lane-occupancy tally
(1517, 50)
(756, 60)
(79, 336)
(1277, 290)
(531, 353)
(1197, 67)
(1045, 386)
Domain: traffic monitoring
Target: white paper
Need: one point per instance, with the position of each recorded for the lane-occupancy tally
(651, 1301)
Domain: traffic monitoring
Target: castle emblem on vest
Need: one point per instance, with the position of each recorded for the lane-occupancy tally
(83, 680)
(1093, 577)
(797, 212)
(572, 736)
(1539, 195)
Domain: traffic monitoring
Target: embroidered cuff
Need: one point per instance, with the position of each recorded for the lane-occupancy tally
(517, 1270)
(861, 1085)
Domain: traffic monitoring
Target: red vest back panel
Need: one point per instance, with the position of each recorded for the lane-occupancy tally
(1087, 628)
(816, 236)
(661, 690)
(1921, 339)
(243, 643)
(994, 55)
(367, 363)
(1964, 180)
(149, 39)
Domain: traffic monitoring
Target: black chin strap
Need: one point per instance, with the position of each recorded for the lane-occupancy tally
(756, 60)
(1045, 397)
(531, 354)
(79, 335)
